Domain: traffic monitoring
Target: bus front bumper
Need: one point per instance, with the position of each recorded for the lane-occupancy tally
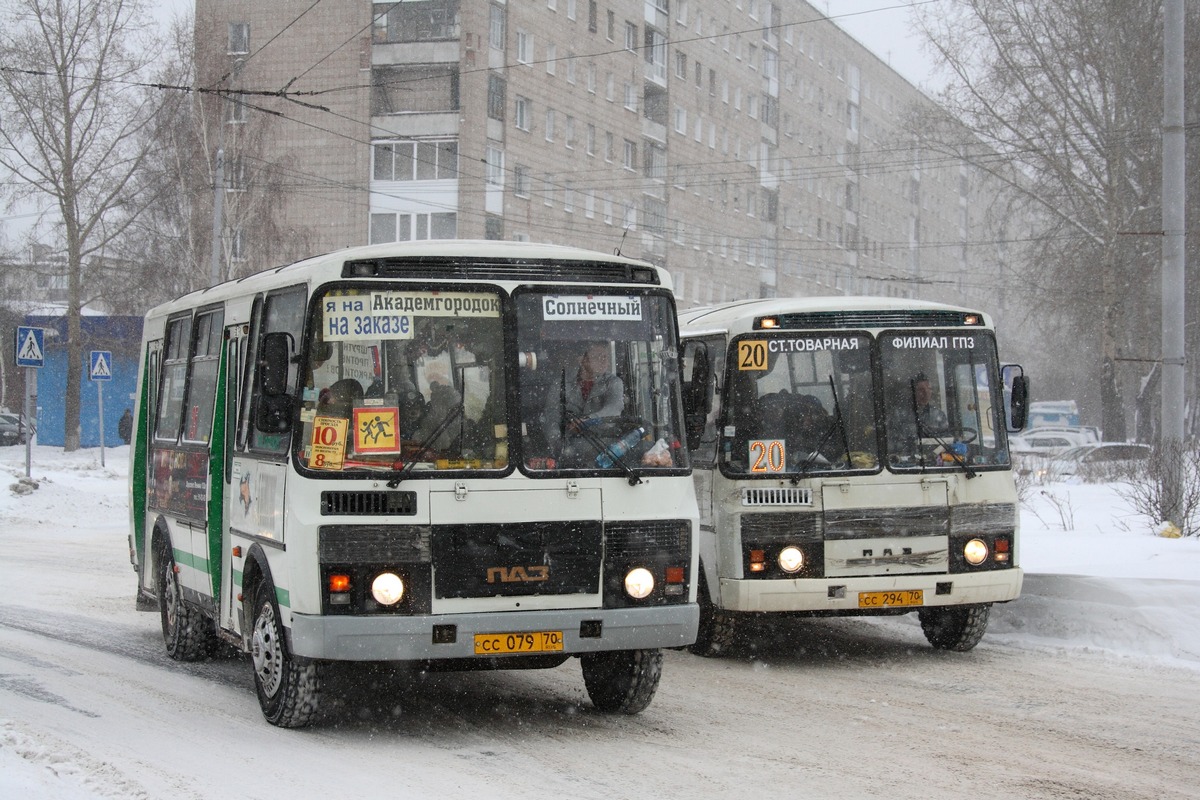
(399, 638)
(862, 595)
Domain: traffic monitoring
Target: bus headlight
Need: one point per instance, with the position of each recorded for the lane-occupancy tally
(791, 559)
(975, 552)
(387, 588)
(639, 583)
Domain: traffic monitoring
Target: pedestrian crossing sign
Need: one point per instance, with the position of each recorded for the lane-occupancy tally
(31, 347)
(101, 366)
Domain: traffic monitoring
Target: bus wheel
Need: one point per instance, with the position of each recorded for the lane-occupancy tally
(188, 633)
(717, 630)
(954, 627)
(289, 688)
(622, 680)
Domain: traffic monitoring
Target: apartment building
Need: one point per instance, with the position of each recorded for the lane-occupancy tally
(750, 146)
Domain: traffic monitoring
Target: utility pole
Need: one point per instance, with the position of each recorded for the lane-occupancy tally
(1173, 355)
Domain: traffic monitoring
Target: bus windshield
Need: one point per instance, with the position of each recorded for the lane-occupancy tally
(941, 404)
(800, 404)
(404, 378)
(597, 382)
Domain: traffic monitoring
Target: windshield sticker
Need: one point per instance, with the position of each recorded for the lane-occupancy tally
(328, 443)
(376, 430)
(587, 307)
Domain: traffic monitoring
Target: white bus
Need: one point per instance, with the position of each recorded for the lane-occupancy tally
(851, 458)
(375, 455)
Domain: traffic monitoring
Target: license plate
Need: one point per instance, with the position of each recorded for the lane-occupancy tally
(490, 644)
(898, 599)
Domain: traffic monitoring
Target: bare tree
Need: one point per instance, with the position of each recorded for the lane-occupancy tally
(74, 112)
(1064, 101)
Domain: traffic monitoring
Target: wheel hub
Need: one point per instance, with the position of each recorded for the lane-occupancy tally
(265, 652)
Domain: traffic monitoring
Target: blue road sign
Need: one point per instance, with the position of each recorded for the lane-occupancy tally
(101, 366)
(31, 347)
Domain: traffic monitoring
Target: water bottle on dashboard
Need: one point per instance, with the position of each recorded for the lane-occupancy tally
(619, 448)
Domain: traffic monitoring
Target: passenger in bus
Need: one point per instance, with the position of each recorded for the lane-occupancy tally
(340, 398)
(595, 393)
(914, 415)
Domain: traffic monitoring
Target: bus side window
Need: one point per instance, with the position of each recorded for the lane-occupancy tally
(169, 413)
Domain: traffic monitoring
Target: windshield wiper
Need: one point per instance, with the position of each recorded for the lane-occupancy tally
(946, 448)
(427, 443)
(838, 424)
(582, 428)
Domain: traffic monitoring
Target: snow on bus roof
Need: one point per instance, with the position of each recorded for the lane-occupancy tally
(723, 315)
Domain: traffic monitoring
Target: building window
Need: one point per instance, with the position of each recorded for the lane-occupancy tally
(570, 68)
(383, 228)
(493, 228)
(235, 111)
(681, 120)
(414, 89)
(420, 161)
(631, 40)
(570, 9)
(522, 113)
(493, 166)
(591, 139)
(569, 198)
(591, 78)
(524, 47)
(629, 159)
(593, 15)
(612, 26)
(551, 58)
(680, 64)
(427, 20)
(496, 27)
(496, 97)
(549, 124)
(569, 132)
(239, 38)
(522, 181)
(631, 96)
(609, 146)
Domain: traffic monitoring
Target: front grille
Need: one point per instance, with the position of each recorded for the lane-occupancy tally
(368, 503)
(777, 496)
(770, 528)
(517, 560)
(374, 544)
(873, 523)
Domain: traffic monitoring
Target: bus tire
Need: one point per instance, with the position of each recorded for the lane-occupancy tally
(957, 628)
(622, 681)
(717, 631)
(188, 634)
(288, 688)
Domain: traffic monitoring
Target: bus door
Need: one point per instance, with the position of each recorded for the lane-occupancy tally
(227, 498)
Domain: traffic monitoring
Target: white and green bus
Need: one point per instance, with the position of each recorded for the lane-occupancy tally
(851, 458)
(374, 456)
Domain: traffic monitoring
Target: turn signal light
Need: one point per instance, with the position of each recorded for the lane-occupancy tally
(675, 574)
(339, 583)
(758, 560)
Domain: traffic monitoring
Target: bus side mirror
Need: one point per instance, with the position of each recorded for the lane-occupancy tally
(274, 404)
(273, 366)
(697, 399)
(1018, 404)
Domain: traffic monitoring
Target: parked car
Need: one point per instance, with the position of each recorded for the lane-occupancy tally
(12, 429)
(1101, 461)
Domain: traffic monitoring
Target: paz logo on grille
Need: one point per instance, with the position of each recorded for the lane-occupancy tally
(530, 574)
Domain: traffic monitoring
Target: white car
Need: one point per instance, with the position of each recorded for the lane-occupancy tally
(1102, 461)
